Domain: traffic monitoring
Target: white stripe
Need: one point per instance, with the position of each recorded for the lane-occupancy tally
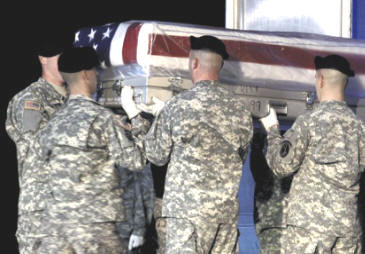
(116, 45)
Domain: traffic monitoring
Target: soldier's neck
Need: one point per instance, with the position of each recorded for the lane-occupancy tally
(332, 97)
(52, 80)
(80, 91)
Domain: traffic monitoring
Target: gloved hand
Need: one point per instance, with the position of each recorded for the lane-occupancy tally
(269, 120)
(135, 241)
(154, 108)
(128, 102)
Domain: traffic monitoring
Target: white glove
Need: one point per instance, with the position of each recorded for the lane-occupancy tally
(128, 103)
(154, 108)
(269, 120)
(135, 241)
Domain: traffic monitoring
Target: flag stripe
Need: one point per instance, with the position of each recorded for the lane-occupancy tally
(260, 53)
(129, 51)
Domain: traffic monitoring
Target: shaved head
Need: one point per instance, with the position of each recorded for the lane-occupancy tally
(333, 77)
(209, 61)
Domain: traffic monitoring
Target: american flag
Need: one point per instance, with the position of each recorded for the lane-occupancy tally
(108, 40)
(279, 60)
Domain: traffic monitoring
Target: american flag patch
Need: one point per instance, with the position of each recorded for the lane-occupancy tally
(34, 105)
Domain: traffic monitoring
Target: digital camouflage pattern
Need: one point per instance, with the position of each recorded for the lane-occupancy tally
(138, 201)
(325, 149)
(204, 134)
(270, 199)
(97, 238)
(160, 226)
(83, 144)
(201, 236)
(28, 112)
(271, 211)
(300, 241)
(271, 215)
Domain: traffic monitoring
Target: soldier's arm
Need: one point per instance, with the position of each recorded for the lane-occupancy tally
(122, 146)
(285, 153)
(24, 116)
(148, 192)
(139, 219)
(247, 134)
(159, 139)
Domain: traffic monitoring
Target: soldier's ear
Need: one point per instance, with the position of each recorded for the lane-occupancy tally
(194, 63)
(42, 60)
(321, 81)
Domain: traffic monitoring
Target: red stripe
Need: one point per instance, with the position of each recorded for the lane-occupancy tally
(129, 51)
(253, 52)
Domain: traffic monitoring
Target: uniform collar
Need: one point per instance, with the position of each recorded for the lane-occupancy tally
(54, 92)
(207, 82)
(81, 97)
(333, 102)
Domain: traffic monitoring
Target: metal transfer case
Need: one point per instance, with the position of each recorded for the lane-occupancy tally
(264, 68)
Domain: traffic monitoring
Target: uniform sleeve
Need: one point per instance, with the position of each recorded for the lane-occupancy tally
(139, 219)
(24, 115)
(140, 127)
(285, 153)
(246, 137)
(159, 139)
(124, 150)
(127, 184)
(148, 193)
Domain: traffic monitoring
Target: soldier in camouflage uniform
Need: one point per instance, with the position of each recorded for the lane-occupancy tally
(138, 201)
(83, 144)
(159, 174)
(325, 150)
(204, 134)
(27, 113)
(270, 200)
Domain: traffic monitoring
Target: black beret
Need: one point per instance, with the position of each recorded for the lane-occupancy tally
(210, 43)
(50, 47)
(78, 59)
(335, 62)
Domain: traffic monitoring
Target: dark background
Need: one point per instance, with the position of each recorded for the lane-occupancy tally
(23, 23)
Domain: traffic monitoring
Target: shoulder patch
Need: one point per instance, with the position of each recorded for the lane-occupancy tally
(34, 105)
(285, 148)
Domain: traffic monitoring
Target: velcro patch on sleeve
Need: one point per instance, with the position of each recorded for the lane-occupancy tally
(34, 105)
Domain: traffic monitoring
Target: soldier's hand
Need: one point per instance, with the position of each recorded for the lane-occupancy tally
(154, 108)
(128, 102)
(269, 120)
(135, 241)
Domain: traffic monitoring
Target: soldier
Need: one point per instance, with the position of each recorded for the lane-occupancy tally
(325, 150)
(83, 144)
(28, 112)
(203, 134)
(270, 200)
(159, 174)
(138, 201)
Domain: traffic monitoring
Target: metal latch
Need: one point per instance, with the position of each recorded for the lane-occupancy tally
(311, 96)
(280, 107)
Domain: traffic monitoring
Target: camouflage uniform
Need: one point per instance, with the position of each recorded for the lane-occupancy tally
(138, 201)
(270, 200)
(159, 174)
(83, 144)
(271, 223)
(29, 111)
(205, 133)
(325, 149)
